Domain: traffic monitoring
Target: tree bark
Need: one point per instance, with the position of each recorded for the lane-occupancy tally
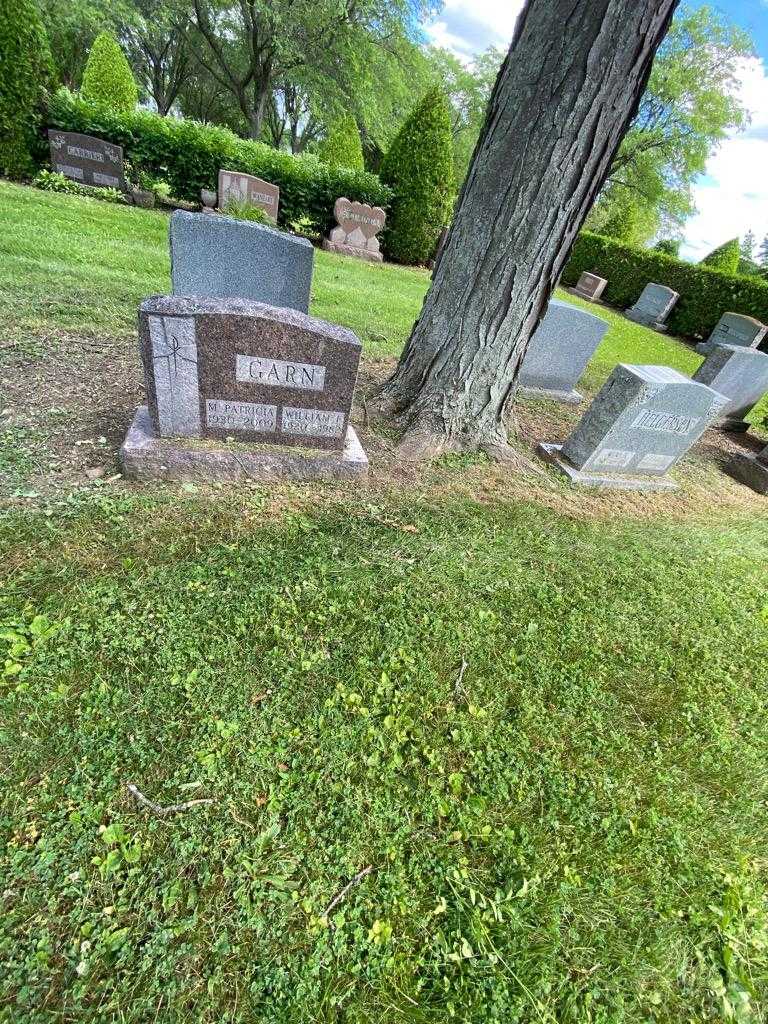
(565, 95)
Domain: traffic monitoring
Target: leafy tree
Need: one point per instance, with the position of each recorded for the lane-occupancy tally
(762, 254)
(107, 79)
(72, 26)
(552, 130)
(342, 147)
(153, 35)
(747, 246)
(419, 169)
(26, 70)
(669, 246)
(725, 257)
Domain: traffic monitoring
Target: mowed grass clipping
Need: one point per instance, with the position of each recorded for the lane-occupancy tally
(546, 740)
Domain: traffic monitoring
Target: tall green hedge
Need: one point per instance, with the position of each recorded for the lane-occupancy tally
(342, 146)
(705, 293)
(725, 257)
(189, 155)
(108, 78)
(419, 168)
(26, 70)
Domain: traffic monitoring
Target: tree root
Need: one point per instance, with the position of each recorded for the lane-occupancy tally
(509, 456)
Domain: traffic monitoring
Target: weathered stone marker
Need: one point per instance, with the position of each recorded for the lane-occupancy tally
(741, 375)
(243, 371)
(356, 230)
(751, 470)
(590, 286)
(734, 329)
(653, 307)
(558, 353)
(222, 257)
(86, 159)
(246, 188)
(642, 421)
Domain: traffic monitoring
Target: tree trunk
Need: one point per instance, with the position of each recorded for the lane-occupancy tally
(566, 94)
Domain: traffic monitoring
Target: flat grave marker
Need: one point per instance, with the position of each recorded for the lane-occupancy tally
(558, 353)
(86, 159)
(751, 470)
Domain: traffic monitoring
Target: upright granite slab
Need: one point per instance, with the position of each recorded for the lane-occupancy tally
(247, 188)
(86, 159)
(734, 329)
(558, 353)
(590, 286)
(751, 470)
(220, 257)
(243, 372)
(357, 225)
(741, 375)
(653, 307)
(644, 419)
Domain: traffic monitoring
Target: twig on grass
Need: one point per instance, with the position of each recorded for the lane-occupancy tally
(350, 885)
(160, 811)
(457, 687)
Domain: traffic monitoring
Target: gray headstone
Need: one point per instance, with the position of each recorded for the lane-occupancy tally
(231, 368)
(559, 351)
(642, 421)
(86, 159)
(741, 375)
(590, 286)
(751, 470)
(734, 329)
(220, 257)
(654, 306)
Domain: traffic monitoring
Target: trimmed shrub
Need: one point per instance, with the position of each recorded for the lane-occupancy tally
(419, 169)
(725, 257)
(108, 79)
(26, 70)
(342, 146)
(189, 155)
(705, 293)
(669, 246)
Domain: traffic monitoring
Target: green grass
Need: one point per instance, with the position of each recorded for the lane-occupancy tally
(544, 733)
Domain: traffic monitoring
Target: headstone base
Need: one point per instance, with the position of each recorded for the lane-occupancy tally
(572, 397)
(705, 348)
(145, 456)
(646, 321)
(584, 295)
(352, 250)
(749, 470)
(551, 453)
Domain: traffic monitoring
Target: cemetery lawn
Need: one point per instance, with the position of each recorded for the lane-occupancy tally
(515, 734)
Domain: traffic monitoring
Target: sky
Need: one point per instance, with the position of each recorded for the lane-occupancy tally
(732, 197)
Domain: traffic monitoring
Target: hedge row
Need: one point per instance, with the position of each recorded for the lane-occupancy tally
(188, 155)
(705, 294)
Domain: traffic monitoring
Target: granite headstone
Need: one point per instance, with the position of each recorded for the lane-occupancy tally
(642, 421)
(734, 329)
(221, 257)
(751, 470)
(741, 375)
(246, 188)
(559, 351)
(590, 286)
(357, 225)
(86, 159)
(653, 307)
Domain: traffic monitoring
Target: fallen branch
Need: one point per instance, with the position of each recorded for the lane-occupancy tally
(457, 687)
(350, 885)
(163, 812)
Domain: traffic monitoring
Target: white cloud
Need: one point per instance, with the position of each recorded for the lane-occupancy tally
(467, 27)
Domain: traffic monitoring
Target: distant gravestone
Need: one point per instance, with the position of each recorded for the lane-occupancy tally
(357, 225)
(86, 159)
(741, 375)
(246, 188)
(558, 353)
(222, 257)
(751, 470)
(590, 286)
(653, 307)
(642, 421)
(241, 371)
(734, 329)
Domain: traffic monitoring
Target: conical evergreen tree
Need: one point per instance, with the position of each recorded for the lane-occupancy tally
(108, 79)
(762, 253)
(342, 146)
(419, 169)
(725, 257)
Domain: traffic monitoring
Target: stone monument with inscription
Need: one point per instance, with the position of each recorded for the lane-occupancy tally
(751, 470)
(644, 419)
(734, 329)
(356, 230)
(246, 188)
(86, 159)
(222, 257)
(558, 353)
(741, 375)
(243, 373)
(653, 307)
(590, 286)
